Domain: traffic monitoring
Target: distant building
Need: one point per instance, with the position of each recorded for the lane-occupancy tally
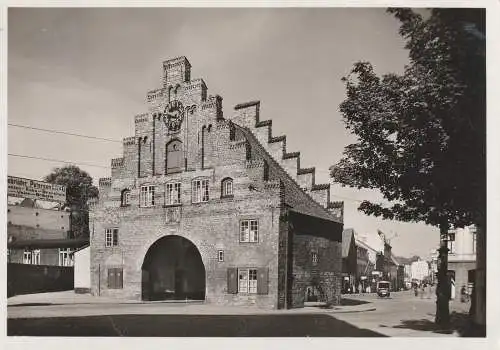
(462, 257)
(38, 236)
(419, 270)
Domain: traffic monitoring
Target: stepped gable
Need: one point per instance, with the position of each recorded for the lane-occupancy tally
(295, 197)
(248, 116)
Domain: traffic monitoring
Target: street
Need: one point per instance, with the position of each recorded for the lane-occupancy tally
(362, 316)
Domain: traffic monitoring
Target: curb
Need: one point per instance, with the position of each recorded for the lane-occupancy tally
(353, 311)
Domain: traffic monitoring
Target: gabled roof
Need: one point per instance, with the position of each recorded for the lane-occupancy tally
(347, 236)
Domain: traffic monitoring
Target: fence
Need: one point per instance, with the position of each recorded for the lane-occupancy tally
(27, 279)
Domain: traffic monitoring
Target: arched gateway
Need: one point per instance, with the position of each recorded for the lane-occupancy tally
(172, 270)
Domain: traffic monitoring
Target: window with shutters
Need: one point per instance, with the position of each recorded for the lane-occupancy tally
(115, 278)
(111, 237)
(227, 187)
(249, 231)
(247, 280)
(173, 193)
(147, 196)
(200, 191)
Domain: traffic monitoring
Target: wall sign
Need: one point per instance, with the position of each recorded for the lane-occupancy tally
(34, 189)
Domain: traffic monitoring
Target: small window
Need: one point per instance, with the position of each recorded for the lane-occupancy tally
(172, 193)
(249, 231)
(227, 187)
(314, 257)
(115, 278)
(220, 255)
(147, 196)
(66, 257)
(200, 191)
(111, 237)
(247, 281)
(474, 237)
(451, 243)
(31, 257)
(125, 197)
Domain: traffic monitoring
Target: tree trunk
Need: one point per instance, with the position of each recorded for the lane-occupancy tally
(478, 305)
(443, 287)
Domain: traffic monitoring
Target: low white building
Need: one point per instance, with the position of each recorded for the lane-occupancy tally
(82, 270)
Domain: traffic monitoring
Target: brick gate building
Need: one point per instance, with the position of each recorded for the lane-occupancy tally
(204, 206)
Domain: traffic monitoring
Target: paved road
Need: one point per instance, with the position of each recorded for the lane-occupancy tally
(402, 315)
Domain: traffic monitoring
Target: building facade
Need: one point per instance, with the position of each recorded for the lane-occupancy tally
(38, 236)
(204, 206)
(419, 271)
(462, 258)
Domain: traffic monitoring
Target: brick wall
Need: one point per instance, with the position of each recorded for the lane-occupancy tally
(325, 275)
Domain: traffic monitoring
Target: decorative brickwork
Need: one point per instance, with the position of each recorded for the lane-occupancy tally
(186, 128)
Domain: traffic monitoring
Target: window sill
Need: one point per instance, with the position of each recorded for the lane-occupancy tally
(248, 242)
(227, 197)
(199, 203)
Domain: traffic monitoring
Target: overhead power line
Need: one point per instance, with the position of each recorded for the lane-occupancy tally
(63, 133)
(58, 160)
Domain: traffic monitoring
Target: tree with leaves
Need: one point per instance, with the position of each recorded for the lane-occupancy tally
(79, 189)
(421, 135)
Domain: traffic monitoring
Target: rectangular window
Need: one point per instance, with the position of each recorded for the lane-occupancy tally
(111, 237)
(173, 193)
(115, 278)
(200, 191)
(66, 257)
(227, 188)
(147, 196)
(247, 281)
(249, 231)
(451, 243)
(474, 241)
(31, 257)
(314, 257)
(220, 255)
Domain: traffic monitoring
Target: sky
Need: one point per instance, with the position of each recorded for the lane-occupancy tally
(87, 71)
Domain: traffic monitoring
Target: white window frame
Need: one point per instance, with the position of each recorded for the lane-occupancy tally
(147, 196)
(249, 231)
(314, 257)
(227, 187)
(109, 237)
(451, 242)
(247, 281)
(172, 193)
(31, 257)
(66, 257)
(200, 191)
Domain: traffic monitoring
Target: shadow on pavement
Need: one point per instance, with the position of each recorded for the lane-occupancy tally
(351, 302)
(459, 322)
(32, 304)
(303, 325)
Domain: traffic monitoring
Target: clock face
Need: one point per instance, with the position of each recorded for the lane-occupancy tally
(173, 116)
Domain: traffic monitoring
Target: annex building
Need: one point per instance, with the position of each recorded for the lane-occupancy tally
(212, 207)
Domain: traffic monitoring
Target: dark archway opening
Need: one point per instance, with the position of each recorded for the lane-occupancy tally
(173, 270)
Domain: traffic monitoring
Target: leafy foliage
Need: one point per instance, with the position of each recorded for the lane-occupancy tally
(421, 135)
(79, 189)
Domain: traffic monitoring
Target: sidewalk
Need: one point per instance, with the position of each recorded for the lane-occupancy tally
(70, 304)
